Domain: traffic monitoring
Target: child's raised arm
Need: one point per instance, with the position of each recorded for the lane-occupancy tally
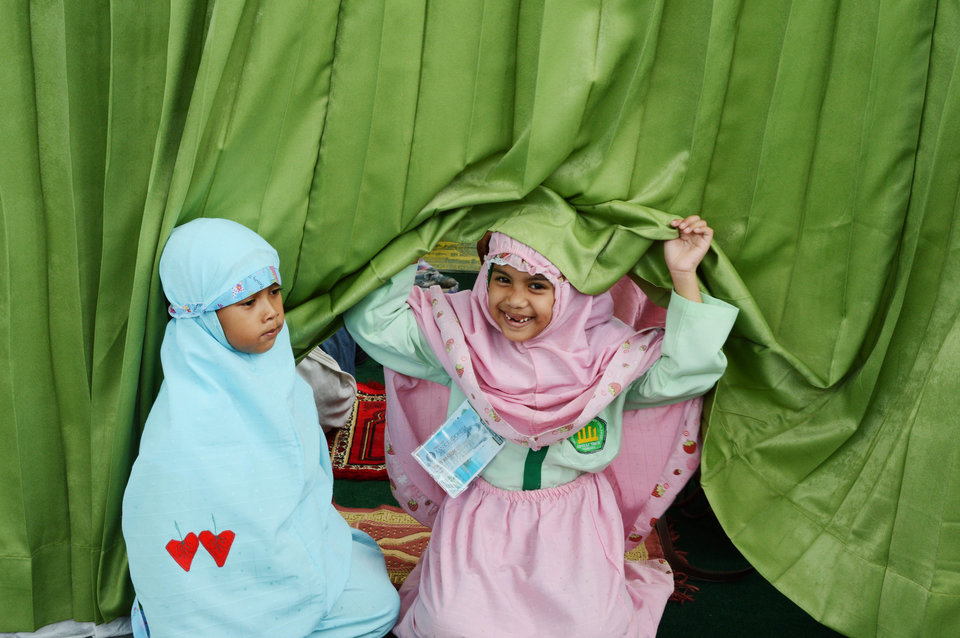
(685, 253)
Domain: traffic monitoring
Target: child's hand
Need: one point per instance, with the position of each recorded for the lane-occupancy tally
(685, 253)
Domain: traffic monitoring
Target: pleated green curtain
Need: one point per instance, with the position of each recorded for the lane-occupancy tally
(821, 139)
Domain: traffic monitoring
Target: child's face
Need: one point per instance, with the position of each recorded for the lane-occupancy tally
(520, 303)
(252, 325)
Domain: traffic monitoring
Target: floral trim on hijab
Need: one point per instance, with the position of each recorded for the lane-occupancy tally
(551, 273)
(249, 285)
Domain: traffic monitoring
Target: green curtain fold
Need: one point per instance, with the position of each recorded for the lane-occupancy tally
(819, 139)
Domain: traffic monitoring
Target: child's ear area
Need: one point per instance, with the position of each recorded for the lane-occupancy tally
(483, 245)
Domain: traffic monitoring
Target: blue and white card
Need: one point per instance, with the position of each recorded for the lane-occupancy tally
(456, 453)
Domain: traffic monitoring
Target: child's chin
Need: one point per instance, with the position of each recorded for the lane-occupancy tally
(262, 348)
(268, 347)
(519, 336)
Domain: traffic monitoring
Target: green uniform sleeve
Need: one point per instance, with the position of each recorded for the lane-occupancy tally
(383, 325)
(691, 359)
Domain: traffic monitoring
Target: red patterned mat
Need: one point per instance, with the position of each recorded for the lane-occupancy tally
(356, 450)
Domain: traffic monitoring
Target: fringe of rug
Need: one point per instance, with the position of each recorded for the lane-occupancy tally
(683, 589)
(682, 568)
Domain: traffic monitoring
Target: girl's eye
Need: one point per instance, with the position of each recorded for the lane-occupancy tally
(276, 291)
(249, 302)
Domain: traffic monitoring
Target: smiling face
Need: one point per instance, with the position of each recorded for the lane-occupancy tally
(520, 303)
(252, 324)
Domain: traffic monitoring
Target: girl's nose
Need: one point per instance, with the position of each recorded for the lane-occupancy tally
(516, 298)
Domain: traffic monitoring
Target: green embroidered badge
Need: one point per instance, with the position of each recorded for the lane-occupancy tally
(590, 438)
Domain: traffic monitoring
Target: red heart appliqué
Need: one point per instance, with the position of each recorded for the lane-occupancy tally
(183, 551)
(219, 545)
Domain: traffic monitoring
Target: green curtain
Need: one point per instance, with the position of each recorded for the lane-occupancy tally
(820, 139)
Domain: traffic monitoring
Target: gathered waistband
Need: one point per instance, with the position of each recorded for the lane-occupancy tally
(545, 494)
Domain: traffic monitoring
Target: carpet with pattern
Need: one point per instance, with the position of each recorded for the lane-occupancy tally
(356, 450)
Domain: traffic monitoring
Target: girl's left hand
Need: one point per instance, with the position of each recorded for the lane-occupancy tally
(685, 253)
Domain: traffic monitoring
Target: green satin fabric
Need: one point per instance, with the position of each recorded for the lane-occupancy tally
(819, 139)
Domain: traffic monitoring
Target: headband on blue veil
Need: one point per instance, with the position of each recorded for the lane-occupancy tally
(206, 265)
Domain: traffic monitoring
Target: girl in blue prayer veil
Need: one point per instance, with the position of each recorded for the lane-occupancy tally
(227, 515)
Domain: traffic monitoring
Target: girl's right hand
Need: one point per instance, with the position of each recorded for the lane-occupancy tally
(685, 253)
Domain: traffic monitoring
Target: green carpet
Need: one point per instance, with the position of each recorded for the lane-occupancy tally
(748, 607)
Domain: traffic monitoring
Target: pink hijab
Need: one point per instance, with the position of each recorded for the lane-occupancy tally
(544, 389)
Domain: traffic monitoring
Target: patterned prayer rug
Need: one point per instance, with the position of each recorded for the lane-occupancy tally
(398, 534)
(356, 449)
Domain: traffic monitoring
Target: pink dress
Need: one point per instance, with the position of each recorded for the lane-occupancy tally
(549, 561)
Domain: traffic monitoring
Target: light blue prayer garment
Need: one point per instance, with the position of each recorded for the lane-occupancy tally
(227, 515)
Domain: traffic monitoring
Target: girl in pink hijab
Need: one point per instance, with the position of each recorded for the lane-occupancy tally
(599, 422)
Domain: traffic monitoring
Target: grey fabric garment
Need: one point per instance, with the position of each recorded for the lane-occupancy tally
(118, 628)
(334, 390)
